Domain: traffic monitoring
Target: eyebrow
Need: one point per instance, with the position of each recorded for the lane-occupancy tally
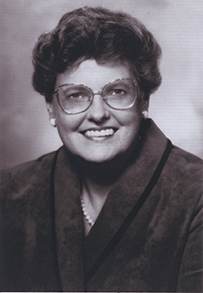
(80, 84)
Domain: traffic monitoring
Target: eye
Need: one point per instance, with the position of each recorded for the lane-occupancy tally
(75, 93)
(117, 92)
(76, 96)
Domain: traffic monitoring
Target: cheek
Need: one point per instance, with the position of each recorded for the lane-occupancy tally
(68, 124)
(131, 125)
(66, 130)
(131, 118)
(66, 121)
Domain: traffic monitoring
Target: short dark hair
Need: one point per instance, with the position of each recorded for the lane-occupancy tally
(100, 34)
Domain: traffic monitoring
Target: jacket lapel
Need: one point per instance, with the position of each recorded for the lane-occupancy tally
(125, 193)
(68, 224)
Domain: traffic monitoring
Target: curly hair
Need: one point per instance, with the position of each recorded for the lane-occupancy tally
(99, 34)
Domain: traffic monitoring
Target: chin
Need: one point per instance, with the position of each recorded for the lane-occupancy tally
(99, 157)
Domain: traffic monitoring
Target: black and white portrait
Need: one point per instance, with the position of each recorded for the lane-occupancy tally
(101, 146)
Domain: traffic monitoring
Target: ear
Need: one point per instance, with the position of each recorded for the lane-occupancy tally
(145, 105)
(50, 109)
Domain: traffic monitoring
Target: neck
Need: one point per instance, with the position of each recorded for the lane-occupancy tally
(98, 178)
(105, 173)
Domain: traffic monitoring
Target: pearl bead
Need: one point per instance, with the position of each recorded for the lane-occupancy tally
(87, 217)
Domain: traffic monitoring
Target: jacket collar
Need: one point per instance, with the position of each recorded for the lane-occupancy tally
(123, 196)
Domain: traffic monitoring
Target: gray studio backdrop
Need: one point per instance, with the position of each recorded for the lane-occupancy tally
(176, 107)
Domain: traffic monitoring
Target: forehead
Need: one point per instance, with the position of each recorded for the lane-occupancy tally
(94, 75)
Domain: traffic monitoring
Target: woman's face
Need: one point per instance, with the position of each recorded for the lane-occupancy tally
(100, 133)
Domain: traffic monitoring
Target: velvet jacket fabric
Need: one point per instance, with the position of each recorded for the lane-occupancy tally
(43, 244)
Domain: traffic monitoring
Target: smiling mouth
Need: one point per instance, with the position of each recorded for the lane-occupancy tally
(100, 133)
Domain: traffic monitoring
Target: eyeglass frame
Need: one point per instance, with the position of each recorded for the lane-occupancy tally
(104, 98)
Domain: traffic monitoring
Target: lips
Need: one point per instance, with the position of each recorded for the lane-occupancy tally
(95, 133)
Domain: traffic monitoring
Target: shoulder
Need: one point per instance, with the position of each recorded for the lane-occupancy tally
(185, 163)
(182, 169)
(28, 168)
(20, 177)
(182, 178)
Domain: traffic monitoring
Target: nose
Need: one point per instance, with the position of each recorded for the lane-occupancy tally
(98, 111)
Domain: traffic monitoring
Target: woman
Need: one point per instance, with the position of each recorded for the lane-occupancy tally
(118, 207)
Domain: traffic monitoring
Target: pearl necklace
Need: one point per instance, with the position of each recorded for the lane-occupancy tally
(87, 217)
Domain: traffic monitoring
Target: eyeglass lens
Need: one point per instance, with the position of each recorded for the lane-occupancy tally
(120, 94)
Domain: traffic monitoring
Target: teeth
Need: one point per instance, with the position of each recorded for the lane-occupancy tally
(99, 133)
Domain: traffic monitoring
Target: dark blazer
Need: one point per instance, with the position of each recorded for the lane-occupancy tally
(43, 243)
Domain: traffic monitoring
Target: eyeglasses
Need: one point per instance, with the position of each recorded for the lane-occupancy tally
(77, 98)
